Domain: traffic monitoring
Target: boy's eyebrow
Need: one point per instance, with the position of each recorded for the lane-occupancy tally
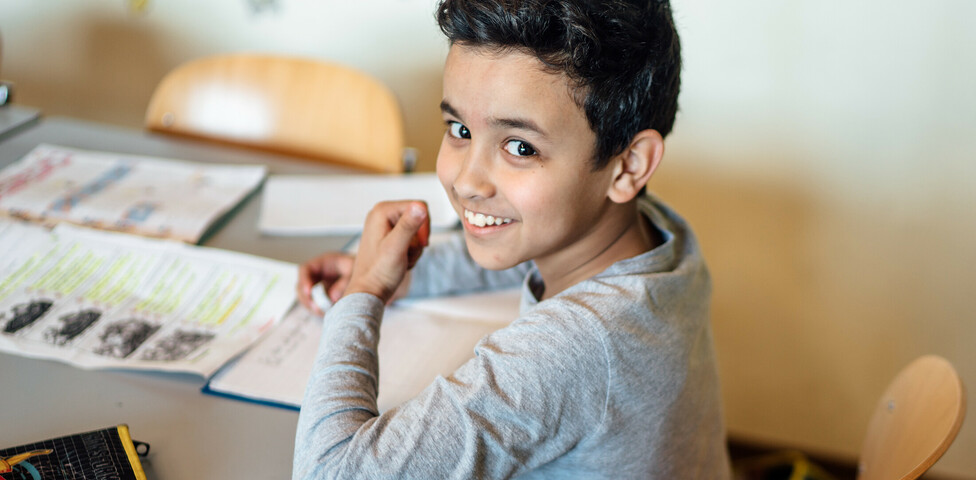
(447, 108)
(519, 123)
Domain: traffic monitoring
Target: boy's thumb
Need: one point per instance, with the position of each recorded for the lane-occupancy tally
(409, 223)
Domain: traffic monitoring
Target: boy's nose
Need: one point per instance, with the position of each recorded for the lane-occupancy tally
(473, 180)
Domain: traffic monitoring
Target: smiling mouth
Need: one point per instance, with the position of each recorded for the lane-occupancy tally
(482, 220)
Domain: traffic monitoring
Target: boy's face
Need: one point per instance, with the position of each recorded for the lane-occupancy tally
(515, 162)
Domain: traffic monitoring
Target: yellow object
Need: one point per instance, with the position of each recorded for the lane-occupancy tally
(130, 452)
(6, 464)
(138, 6)
(778, 464)
(87, 452)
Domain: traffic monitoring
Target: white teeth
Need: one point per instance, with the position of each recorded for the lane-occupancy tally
(481, 220)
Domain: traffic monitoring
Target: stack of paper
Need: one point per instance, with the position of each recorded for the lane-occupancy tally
(338, 204)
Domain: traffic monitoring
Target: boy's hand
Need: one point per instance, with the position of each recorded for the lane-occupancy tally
(332, 270)
(394, 236)
(338, 265)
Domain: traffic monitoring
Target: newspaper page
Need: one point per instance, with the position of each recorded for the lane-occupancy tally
(139, 195)
(98, 299)
(419, 340)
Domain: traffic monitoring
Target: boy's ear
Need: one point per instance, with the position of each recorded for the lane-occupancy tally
(634, 167)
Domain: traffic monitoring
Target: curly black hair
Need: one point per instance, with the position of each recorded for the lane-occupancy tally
(623, 57)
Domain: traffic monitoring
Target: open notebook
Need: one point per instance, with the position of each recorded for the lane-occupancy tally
(98, 299)
(419, 340)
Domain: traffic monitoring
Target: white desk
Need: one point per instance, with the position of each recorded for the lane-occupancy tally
(192, 435)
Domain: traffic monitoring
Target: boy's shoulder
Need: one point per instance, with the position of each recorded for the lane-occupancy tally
(671, 273)
(676, 255)
(669, 284)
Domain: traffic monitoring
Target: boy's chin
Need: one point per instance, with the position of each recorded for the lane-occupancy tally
(490, 260)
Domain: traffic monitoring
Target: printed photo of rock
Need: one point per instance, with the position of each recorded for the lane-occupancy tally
(24, 314)
(121, 338)
(72, 325)
(177, 346)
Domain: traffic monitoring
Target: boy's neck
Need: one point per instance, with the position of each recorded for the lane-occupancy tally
(626, 234)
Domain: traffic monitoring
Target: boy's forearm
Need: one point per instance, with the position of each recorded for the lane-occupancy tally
(341, 392)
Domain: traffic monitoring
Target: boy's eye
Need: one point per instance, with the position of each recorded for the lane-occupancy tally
(458, 130)
(519, 148)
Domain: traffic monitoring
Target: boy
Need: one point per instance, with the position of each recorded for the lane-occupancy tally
(555, 114)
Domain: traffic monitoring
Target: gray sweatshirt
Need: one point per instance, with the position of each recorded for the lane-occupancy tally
(614, 377)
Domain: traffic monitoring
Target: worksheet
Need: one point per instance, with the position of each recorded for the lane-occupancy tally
(295, 205)
(98, 299)
(419, 340)
(140, 195)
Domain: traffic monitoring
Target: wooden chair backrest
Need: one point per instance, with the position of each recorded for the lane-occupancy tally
(302, 107)
(915, 421)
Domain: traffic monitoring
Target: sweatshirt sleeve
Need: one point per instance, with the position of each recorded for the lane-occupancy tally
(489, 419)
(448, 269)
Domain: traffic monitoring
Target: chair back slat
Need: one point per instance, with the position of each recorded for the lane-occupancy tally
(915, 421)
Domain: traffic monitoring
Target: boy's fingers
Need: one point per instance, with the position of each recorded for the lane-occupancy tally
(419, 241)
(387, 247)
(304, 299)
(304, 287)
(409, 225)
(328, 269)
(314, 308)
(337, 288)
(304, 277)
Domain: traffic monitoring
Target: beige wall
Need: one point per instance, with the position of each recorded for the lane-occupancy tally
(823, 153)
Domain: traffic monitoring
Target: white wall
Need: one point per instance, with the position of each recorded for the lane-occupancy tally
(822, 152)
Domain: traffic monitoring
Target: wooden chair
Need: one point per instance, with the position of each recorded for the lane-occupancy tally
(303, 107)
(915, 421)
